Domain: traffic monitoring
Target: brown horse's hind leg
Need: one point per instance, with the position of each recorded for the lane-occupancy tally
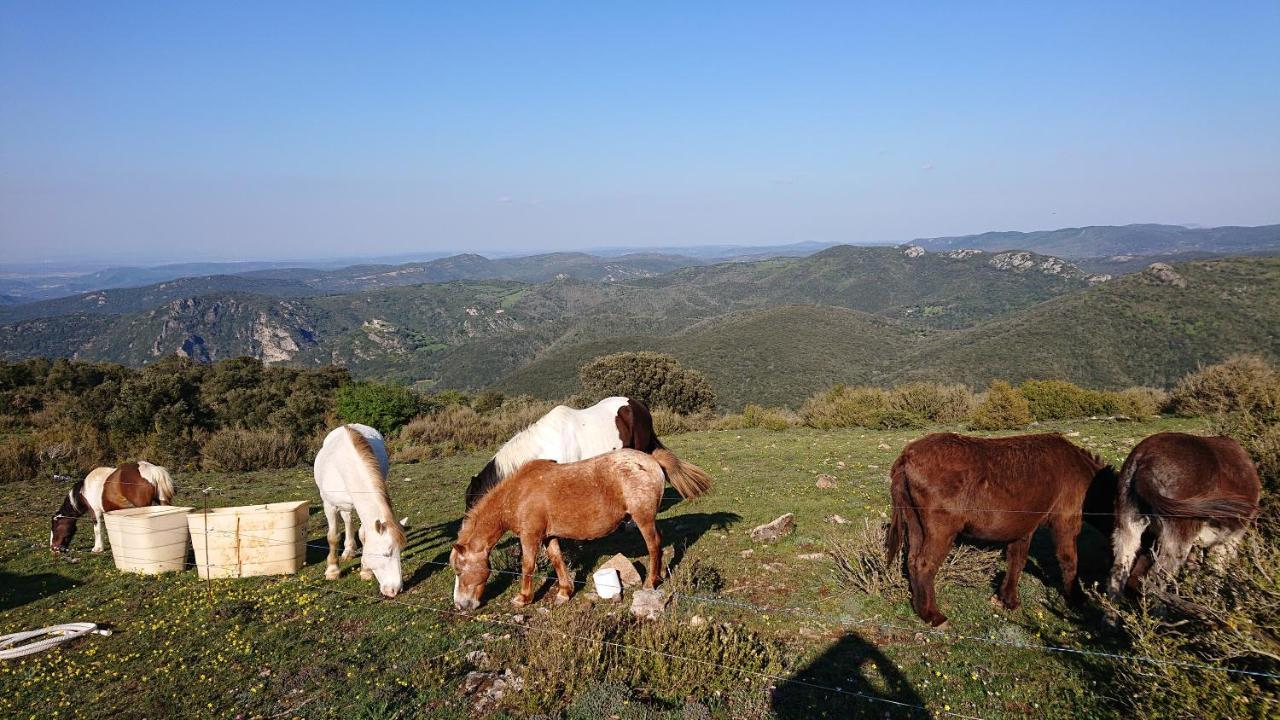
(653, 542)
(1015, 558)
(528, 564)
(564, 579)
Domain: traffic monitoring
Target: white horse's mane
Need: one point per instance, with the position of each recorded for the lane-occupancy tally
(526, 444)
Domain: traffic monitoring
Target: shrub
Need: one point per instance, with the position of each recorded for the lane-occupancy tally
(669, 422)
(487, 401)
(234, 450)
(382, 406)
(1243, 383)
(775, 419)
(861, 563)
(454, 429)
(1223, 619)
(843, 406)
(650, 377)
(19, 460)
(1141, 402)
(1059, 400)
(932, 402)
(1002, 408)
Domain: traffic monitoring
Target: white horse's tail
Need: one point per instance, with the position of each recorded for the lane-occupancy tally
(159, 477)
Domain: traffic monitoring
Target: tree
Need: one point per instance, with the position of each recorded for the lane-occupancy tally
(381, 406)
(655, 379)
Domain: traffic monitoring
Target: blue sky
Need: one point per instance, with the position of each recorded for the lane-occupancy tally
(169, 131)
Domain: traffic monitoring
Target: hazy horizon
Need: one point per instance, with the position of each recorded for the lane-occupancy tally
(145, 134)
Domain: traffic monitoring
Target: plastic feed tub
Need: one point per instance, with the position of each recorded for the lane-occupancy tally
(250, 539)
(149, 539)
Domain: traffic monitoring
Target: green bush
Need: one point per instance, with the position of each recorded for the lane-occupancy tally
(1243, 383)
(1059, 400)
(1002, 408)
(19, 460)
(844, 406)
(932, 402)
(657, 380)
(244, 450)
(381, 406)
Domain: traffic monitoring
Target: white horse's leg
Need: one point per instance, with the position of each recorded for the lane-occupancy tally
(331, 570)
(365, 573)
(349, 548)
(1126, 541)
(97, 532)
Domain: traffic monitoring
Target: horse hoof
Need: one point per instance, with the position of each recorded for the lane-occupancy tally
(332, 573)
(944, 625)
(519, 601)
(97, 550)
(562, 598)
(366, 574)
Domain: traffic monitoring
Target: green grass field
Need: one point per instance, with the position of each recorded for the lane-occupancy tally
(755, 631)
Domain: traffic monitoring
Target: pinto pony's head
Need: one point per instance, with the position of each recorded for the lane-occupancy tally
(471, 567)
(381, 554)
(63, 525)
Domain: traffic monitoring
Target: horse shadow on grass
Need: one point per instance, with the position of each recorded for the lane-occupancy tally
(852, 679)
(17, 590)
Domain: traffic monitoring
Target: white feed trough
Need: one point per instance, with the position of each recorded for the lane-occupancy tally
(250, 539)
(149, 539)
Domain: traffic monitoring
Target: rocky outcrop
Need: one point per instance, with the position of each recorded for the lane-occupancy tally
(1163, 274)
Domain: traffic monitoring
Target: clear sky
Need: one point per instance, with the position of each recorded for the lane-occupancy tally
(168, 131)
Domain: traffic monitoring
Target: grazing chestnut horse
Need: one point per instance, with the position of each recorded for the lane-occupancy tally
(1195, 490)
(545, 500)
(997, 490)
(105, 489)
(567, 435)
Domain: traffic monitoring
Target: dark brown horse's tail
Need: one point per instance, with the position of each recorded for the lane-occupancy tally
(898, 521)
(689, 479)
(1231, 511)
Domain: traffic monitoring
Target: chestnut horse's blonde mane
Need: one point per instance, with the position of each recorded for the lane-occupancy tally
(377, 483)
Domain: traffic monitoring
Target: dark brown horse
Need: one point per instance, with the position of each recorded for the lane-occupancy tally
(1194, 490)
(995, 490)
(105, 489)
(567, 435)
(546, 501)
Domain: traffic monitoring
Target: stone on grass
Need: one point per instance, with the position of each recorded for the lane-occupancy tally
(776, 530)
(487, 688)
(648, 604)
(836, 519)
(825, 482)
(884, 446)
(626, 570)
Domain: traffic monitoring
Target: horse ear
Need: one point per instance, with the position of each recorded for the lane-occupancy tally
(404, 522)
(379, 526)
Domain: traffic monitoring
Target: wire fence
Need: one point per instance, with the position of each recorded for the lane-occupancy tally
(868, 622)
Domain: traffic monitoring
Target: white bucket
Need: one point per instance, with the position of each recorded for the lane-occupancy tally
(150, 539)
(608, 584)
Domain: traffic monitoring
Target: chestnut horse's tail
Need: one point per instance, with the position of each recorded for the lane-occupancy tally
(689, 479)
(897, 532)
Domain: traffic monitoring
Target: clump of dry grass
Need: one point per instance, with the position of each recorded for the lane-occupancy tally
(235, 450)
(861, 563)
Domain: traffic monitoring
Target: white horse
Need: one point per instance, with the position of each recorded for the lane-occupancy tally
(351, 472)
(105, 489)
(567, 435)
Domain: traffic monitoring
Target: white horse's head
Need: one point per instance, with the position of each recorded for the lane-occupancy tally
(382, 554)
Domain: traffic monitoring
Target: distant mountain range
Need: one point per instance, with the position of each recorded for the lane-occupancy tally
(1101, 241)
(770, 330)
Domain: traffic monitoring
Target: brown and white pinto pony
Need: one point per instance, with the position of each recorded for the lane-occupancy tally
(995, 490)
(1193, 490)
(567, 435)
(105, 489)
(545, 501)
